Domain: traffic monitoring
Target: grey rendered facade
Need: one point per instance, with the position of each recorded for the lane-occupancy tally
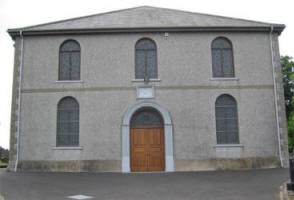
(184, 93)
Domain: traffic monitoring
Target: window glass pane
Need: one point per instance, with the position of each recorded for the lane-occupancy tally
(220, 112)
(74, 140)
(227, 63)
(216, 63)
(231, 125)
(68, 122)
(221, 138)
(146, 59)
(146, 117)
(61, 140)
(70, 46)
(62, 128)
(151, 64)
(140, 64)
(74, 127)
(145, 44)
(232, 137)
(74, 115)
(226, 112)
(75, 66)
(222, 58)
(62, 115)
(227, 138)
(226, 124)
(68, 103)
(221, 43)
(64, 66)
(230, 112)
(225, 100)
(220, 125)
(69, 61)
(226, 120)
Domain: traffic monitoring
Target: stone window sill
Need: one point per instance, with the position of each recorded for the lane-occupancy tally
(150, 80)
(68, 148)
(69, 81)
(228, 146)
(224, 79)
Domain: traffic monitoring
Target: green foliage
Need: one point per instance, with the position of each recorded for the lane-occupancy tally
(4, 155)
(288, 81)
(3, 164)
(291, 132)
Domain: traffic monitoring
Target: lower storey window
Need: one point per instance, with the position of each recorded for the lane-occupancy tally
(226, 120)
(68, 122)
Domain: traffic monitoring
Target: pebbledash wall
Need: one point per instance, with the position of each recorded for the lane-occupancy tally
(185, 95)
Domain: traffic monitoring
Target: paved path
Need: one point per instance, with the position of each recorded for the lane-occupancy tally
(214, 185)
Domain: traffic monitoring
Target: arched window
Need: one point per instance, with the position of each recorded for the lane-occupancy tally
(69, 61)
(146, 59)
(222, 58)
(226, 120)
(68, 122)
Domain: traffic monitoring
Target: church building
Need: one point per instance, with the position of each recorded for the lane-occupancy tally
(147, 89)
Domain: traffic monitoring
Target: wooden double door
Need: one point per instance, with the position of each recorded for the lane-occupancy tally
(147, 149)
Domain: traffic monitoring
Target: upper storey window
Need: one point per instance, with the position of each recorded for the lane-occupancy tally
(69, 61)
(146, 59)
(222, 58)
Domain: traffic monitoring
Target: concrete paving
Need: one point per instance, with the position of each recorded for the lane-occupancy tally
(260, 184)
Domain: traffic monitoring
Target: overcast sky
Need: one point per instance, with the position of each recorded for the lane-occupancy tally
(20, 13)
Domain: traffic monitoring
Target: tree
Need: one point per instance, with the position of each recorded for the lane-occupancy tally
(290, 123)
(4, 155)
(288, 82)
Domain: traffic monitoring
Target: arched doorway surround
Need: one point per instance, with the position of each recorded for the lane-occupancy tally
(168, 135)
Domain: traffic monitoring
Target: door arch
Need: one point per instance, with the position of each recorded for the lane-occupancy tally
(168, 134)
(147, 141)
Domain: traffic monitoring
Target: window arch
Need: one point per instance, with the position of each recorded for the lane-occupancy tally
(69, 60)
(145, 59)
(222, 58)
(67, 122)
(226, 120)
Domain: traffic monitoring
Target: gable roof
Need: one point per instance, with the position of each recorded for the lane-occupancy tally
(147, 18)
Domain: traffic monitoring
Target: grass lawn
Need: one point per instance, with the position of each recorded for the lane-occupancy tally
(3, 164)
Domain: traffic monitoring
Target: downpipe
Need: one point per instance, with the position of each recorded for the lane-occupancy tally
(18, 102)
